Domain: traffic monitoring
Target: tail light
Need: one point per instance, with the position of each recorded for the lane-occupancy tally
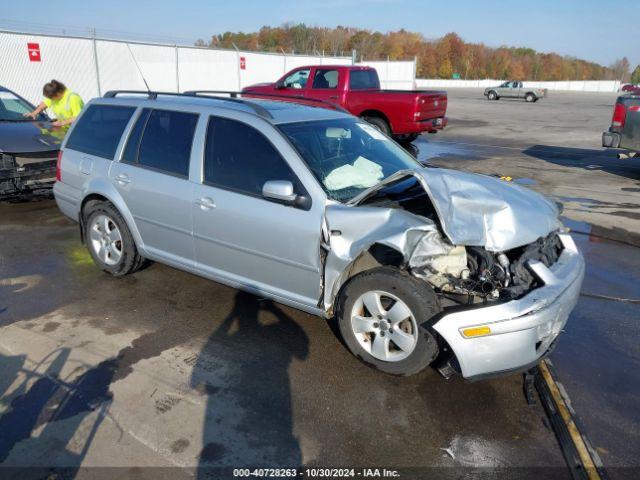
(619, 115)
(58, 167)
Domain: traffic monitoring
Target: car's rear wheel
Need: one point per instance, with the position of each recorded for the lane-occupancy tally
(380, 123)
(492, 95)
(109, 240)
(530, 97)
(383, 317)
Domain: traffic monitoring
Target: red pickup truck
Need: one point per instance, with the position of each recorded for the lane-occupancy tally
(400, 113)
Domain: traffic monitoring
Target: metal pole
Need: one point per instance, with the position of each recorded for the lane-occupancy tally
(387, 85)
(177, 71)
(95, 61)
(284, 54)
(353, 56)
(238, 62)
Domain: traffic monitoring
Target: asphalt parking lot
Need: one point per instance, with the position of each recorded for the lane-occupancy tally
(165, 369)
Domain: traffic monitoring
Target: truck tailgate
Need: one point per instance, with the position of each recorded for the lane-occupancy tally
(431, 105)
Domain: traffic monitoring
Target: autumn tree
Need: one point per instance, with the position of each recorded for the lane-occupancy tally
(436, 57)
(445, 70)
(620, 69)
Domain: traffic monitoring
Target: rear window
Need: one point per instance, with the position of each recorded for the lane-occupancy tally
(167, 140)
(99, 129)
(364, 80)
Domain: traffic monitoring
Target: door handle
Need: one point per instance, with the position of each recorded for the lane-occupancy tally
(123, 179)
(205, 203)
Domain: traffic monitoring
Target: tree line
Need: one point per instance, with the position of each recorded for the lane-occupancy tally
(436, 58)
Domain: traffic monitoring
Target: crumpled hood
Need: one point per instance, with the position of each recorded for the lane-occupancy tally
(481, 210)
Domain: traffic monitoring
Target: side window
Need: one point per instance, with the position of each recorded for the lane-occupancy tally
(130, 153)
(325, 79)
(364, 80)
(297, 79)
(240, 158)
(99, 129)
(166, 141)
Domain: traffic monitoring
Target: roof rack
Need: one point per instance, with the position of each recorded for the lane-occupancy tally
(151, 95)
(269, 95)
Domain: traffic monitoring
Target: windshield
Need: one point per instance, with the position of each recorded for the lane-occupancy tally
(13, 107)
(347, 156)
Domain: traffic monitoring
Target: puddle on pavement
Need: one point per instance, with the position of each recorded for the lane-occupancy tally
(525, 181)
(425, 151)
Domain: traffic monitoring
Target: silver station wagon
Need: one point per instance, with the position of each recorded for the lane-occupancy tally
(316, 209)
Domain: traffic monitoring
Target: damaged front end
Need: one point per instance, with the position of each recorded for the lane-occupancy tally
(23, 172)
(469, 236)
(483, 246)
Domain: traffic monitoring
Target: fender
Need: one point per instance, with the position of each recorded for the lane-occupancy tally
(102, 187)
(354, 230)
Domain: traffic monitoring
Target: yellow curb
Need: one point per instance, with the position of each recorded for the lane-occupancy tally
(576, 437)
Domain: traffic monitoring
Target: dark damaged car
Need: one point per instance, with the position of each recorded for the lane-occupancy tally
(319, 210)
(28, 148)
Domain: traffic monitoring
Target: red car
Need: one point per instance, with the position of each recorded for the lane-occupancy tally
(402, 114)
(630, 88)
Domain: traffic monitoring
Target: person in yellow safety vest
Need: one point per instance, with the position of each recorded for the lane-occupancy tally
(66, 105)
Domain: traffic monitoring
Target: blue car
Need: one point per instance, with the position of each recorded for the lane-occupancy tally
(28, 148)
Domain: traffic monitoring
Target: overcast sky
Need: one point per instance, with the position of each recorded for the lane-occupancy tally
(598, 30)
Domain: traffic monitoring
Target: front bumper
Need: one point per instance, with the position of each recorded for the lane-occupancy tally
(523, 330)
(25, 174)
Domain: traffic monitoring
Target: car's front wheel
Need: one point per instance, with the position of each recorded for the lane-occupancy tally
(492, 95)
(382, 314)
(406, 137)
(109, 240)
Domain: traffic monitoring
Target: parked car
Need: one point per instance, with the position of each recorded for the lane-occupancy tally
(401, 113)
(513, 89)
(624, 131)
(317, 209)
(631, 88)
(28, 148)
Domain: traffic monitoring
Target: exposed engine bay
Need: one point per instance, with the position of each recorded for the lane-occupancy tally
(465, 274)
(473, 274)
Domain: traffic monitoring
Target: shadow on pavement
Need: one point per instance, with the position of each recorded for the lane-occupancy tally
(263, 341)
(50, 414)
(587, 159)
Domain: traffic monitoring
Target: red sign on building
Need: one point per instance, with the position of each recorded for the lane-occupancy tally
(243, 63)
(34, 52)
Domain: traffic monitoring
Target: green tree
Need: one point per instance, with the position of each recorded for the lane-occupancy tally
(635, 76)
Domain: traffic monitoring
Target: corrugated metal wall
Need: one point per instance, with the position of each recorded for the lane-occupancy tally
(92, 67)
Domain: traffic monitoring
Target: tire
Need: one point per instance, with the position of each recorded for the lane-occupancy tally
(371, 336)
(530, 97)
(380, 123)
(406, 138)
(492, 95)
(109, 240)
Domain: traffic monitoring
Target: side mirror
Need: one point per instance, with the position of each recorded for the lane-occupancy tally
(281, 190)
